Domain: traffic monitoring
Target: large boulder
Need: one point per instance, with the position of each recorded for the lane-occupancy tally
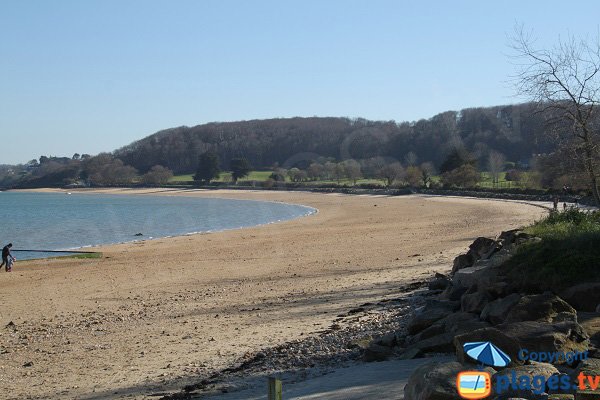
(377, 352)
(497, 310)
(474, 302)
(504, 342)
(540, 307)
(536, 336)
(584, 297)
(462, 261)
(442, 343)
(433, 311)
(481, 248)
(503, 379)
(435, 381)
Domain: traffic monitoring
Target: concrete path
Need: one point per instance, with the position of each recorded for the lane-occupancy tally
(379, 380)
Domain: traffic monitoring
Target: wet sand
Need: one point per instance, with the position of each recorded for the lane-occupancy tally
(153, 315)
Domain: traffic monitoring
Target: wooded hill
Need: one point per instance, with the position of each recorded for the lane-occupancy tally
(515, 131)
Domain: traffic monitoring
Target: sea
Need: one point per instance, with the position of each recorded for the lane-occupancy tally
(77, 221)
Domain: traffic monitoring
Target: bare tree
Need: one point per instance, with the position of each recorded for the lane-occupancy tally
(353, 171)
(410, 159)
(391, 173)
(565, 81)
(496, 162)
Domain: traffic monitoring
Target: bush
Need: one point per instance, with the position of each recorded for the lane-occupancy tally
(569, 252)
(464, 176)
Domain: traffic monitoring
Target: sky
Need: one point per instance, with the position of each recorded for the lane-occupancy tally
(92, 76)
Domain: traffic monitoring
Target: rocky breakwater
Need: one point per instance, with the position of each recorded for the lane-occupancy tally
(480, 302)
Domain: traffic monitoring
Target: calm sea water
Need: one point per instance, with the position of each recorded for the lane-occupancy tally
(52, 221)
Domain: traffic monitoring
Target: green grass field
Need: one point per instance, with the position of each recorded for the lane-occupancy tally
(226, 177)
(261, 176)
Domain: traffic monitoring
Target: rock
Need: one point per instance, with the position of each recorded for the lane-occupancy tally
(481, 274)
(453, 292)
(545, 337)
(434, 381)
(591, 325)
(442, 343)
(540, 307)
(498, 289)
(561, 396)
(440, 282)
(433, 311)
(454, 323)
(387, 340)
(411, 353)
(377, 352)
(28, 364)
(586, 395)
(497, 310)
(462, 261)
(507, 344)
(483, 248)
(462, 322)
(537, 392)
(474, 302)
(584, 297)
(590, 367)
(508, 237)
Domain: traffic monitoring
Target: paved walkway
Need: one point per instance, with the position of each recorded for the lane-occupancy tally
(379, 380)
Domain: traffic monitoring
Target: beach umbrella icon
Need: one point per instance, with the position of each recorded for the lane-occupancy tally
(487, 353)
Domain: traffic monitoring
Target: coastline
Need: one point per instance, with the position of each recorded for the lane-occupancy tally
(160, 313)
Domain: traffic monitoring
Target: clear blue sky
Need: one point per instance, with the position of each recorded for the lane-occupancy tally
(92, 76)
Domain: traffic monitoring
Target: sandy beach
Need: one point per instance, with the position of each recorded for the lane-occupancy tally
(156, 314)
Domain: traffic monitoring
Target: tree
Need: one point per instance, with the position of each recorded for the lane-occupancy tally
(565, 83)
(464, 176)
(391, 172)
(339, 172)
(413, 176)
(208, 168)
(496, 162)
(427, 171)
(352, 170)
(297, 175)
(410, 159)
(457, 158)
(240, 167)
(315, 171)
(158, 175)
(278, 175)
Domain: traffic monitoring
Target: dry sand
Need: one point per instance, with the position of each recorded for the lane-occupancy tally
(152, 315)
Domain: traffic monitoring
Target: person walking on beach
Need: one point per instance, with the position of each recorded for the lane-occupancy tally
(555, 201)
(6, 256)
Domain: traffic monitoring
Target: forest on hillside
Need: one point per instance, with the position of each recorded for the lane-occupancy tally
(514, 131)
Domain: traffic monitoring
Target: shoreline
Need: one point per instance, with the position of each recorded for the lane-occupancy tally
(153, 316)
